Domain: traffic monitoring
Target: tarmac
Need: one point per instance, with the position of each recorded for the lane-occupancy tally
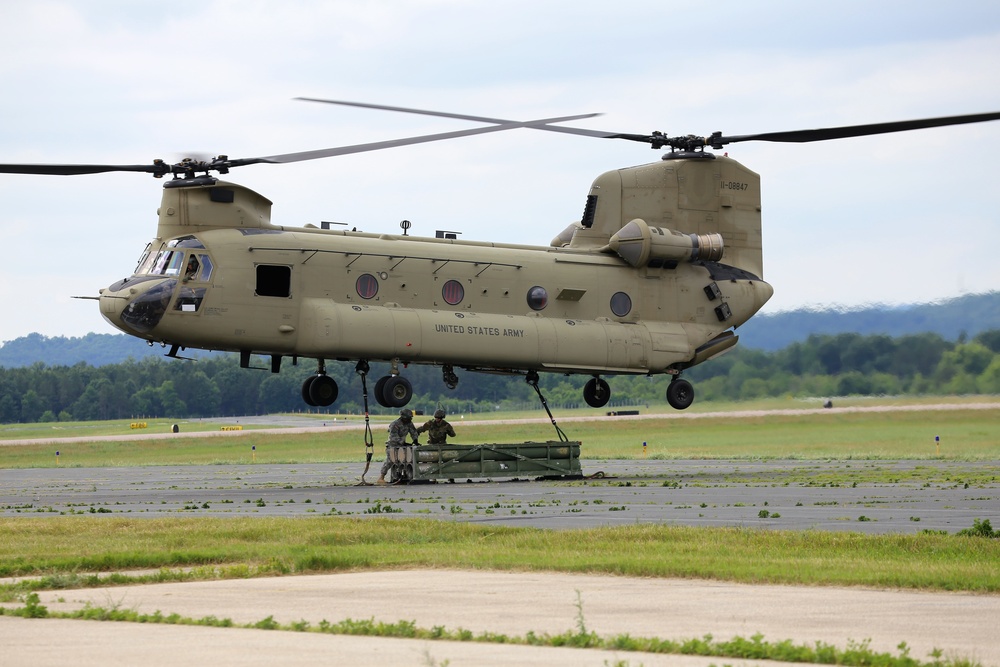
(857, 496)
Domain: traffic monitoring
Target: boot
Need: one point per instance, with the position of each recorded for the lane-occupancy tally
(381, 480)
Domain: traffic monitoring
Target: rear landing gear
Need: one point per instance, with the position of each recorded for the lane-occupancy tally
(596, 392)
(680, 394)
(393, 390)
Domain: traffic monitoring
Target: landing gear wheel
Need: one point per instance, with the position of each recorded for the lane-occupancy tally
(596, 392)
(322, 391)
(680, 394)
(379, 398)
(306, 384)
(397, 391)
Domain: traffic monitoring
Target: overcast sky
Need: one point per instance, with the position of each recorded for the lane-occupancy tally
(905, 218)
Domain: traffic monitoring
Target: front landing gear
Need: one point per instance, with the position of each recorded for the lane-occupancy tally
(320, 390)
(680, 394)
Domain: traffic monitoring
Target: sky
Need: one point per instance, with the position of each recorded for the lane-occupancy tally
(898, 219)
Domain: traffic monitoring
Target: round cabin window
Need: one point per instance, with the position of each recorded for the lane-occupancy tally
(621, 304)
(367, 286)
(538, 298)
(453, 292)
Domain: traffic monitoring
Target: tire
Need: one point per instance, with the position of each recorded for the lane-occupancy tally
(377, 391)
(680, 394)
(306, 384)
(396, 391)
(596, 393)
(323, 390)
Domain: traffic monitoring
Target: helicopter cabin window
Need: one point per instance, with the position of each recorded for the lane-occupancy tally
(274, 280)
(453, 292)
(538, 298)
(367, 286)
(621, 304)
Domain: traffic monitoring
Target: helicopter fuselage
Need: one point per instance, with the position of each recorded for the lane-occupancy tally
(623, 292)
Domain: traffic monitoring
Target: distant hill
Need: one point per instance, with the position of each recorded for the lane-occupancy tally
(968, 315)
(951, 319)
(94, 349)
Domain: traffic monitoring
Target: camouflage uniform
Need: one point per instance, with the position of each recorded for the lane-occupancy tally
(437, 429)
(398, 430)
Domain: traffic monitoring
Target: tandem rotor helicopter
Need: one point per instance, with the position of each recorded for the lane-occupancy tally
(664, 264)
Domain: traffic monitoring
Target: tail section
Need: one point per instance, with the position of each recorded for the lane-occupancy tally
(707, 197)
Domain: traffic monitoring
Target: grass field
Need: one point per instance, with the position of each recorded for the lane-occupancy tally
(240, 547)
(964, 434)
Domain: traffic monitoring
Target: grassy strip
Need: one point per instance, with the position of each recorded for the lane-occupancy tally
(966, 435)
(857, 654)
(63, 545)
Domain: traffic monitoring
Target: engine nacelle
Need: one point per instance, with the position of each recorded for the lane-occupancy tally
(638, 243)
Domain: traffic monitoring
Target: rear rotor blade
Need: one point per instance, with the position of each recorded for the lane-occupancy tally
(441, 114)
(362, 148)
(824, 134)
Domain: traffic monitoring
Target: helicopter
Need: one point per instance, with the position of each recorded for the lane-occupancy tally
(661, 269)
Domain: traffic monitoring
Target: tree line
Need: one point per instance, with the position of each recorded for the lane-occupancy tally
(821, 366)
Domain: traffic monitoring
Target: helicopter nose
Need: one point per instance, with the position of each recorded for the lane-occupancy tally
(136, 305)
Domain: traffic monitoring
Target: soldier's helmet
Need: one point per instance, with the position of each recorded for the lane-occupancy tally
(406, 414)
(439, 414)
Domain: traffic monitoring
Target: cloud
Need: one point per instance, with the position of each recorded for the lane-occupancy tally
(126, 82)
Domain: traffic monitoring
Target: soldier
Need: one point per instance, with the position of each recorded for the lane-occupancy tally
(398, 430)
(437, 429)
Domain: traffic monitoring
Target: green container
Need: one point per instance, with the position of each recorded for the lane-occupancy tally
(535, 459)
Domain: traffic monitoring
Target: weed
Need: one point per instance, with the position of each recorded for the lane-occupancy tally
(379, 508)
(980, 528)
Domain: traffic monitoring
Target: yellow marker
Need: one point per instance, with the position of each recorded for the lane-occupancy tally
(57, 458)
(253, 454)
(644, 449)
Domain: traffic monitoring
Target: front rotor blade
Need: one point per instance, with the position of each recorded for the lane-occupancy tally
(824, 134)
(78, 169)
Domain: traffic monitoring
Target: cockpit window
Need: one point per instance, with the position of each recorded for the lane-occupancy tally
(193, 268)
(185, 242)
(174, 264)
(206, 268)
(160, 266)
(145, 260)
